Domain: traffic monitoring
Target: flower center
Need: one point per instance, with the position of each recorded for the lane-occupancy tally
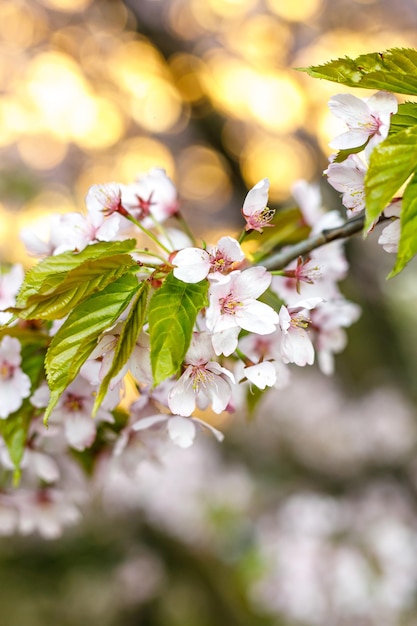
(74, 403)
(200, 377)
(300, 322)
(6, 371)
(229, 304)
(219, 262)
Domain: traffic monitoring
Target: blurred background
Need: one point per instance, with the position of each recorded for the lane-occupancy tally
(306, 515)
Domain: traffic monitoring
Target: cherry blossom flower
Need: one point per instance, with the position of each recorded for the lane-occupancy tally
(151, 198)
(233, 302)
(60, 237)
(296, 343)
(261, 350)
(368, 120)
(46, 511)
(14, 383)
(348, 178)
(34, 462)
(328, 320)
(105, 198)
(203, 382)
(390, 235)
(181, 430)
(194, 264)
(74, 410)
(255, 209)
(305, 271)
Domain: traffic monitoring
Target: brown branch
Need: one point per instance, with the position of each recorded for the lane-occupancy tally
(281, 259)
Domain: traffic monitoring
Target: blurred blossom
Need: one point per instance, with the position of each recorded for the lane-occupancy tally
(349, 560)
(181, 491)
(334, 434)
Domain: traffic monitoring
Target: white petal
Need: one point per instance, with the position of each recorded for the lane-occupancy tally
(350, 109)
(262, 374)
(257, 198)
(225, 342)
(191, 265)
(219, 436)
(182, 431)
(148, 422)
(80, 431)
(230, 248)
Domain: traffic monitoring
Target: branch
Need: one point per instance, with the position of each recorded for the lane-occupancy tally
(281, 259)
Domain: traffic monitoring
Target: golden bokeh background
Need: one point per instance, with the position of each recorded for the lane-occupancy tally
(100, 90)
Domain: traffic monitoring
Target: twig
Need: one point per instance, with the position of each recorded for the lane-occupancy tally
(281, 259)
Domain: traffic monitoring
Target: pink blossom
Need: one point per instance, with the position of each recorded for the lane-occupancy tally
(105, 198)
(34, 463)
(74, 410)
(263, 350)
(45, 511)
(194, 264)
(296, 343)
(366, 119)
(233, 302)
(255, 209)
(152, 198)
(73, 231)
(14, 383)
(327, 322)
(60, 237)
(348, 178)
(203, 382)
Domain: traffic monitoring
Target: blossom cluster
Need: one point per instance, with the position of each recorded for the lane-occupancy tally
(255, 325)
(239, 342)
(368, 122)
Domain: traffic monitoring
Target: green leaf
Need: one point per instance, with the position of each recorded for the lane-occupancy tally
(78, 336)
(49, 273)
(393, 70)
(172, 314)
(391, 163)
(56, 300)
(407, 247)
(405, 117)
(126, 341)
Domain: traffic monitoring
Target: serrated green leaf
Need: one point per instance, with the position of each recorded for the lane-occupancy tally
(172, 314)
(390, 165)
(56, 300)
(78, 336)
(405, 117)
(393, 70)
(127, 340)
(407, 247)
(49, 273)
